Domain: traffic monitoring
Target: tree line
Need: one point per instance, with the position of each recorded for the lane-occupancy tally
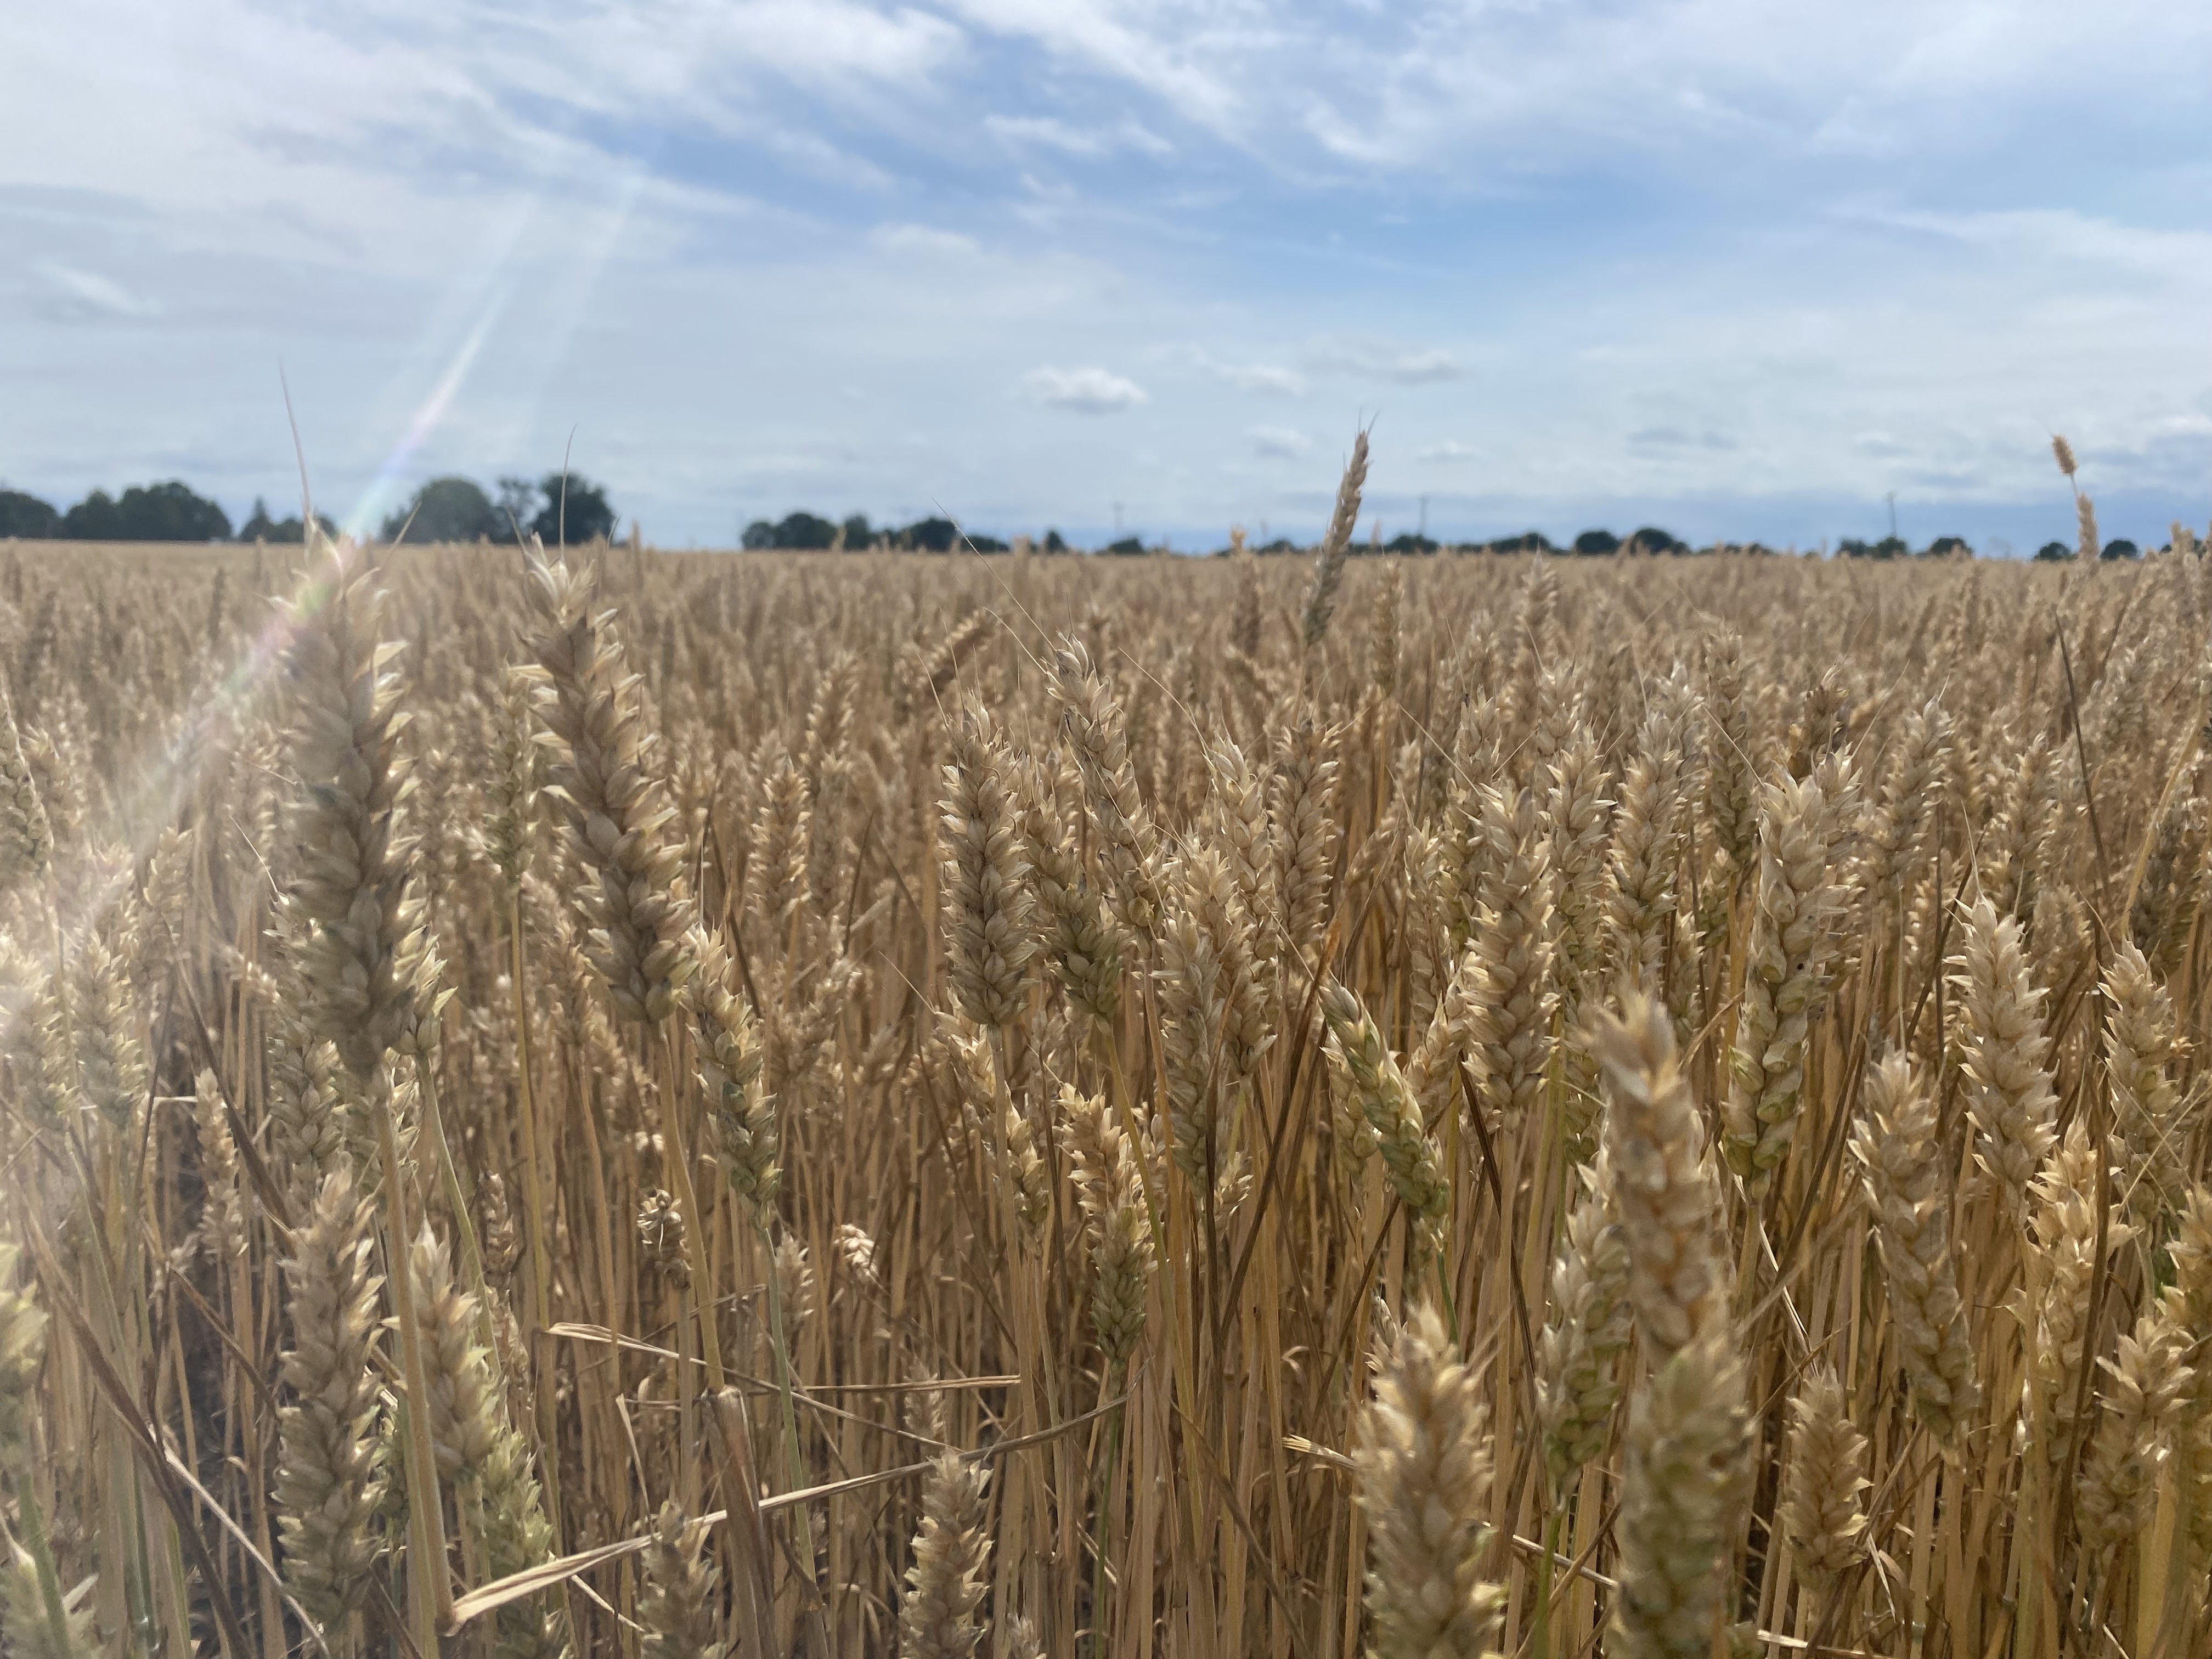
(555, 508)
(167, 512)
(559, 507)
(809, 533)
(804, 532)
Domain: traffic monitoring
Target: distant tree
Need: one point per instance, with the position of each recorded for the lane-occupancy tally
(2120, 548)
(1528, 541)
(445, 510)
(575, 511)
(263, 528)
(809, 533)
(1595, 543)
(1054, 542)
(27, 516)
(516, 508)
(95, 518)
(1889, 547)
(929, 536)
(985, 545)
(258, 525)
(1652, 539)
(1281, 544)
(171, 512)
(147, 512)
(1411, 544)
(1127, 548)
(1948, 547)
(2050, 552)
(806, 532)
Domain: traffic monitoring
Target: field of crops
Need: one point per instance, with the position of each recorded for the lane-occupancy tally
(675, 1106)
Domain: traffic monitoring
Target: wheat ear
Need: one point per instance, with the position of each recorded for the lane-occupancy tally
(1902, 1163)
(1424, 1474)
(1685, 1480)
(1821, 1512)
(1666, 1188)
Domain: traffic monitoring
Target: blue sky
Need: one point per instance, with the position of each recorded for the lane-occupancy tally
(1737, 268)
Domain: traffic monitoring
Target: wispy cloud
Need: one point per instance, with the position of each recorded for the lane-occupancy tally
(1188, 68)
(1263, 380)
(1050, 132)
(1280, 443)
(1268, 379)
(925, 241)
(79, 293)
(2062, 233)
(1045, 130)
(1674, 437)
(1379, 360)
(1082, 391)
(1451, 449)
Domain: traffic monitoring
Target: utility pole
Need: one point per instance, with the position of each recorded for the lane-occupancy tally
(1892, 498)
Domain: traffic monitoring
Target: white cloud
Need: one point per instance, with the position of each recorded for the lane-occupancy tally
(1451, 449)
(1279, 443)
(1082, 391)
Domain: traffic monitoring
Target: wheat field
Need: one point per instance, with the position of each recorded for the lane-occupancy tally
(586, 1101)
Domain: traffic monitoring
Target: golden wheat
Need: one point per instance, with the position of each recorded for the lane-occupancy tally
(856, 1105)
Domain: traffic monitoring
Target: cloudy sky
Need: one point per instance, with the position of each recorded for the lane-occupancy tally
(1734, 267)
